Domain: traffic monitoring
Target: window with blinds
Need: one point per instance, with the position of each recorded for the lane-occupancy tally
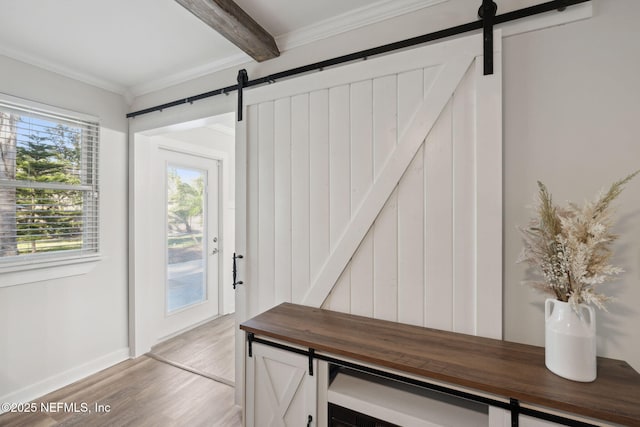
(48, 183)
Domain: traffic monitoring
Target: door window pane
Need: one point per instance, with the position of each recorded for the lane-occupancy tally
(186, 226)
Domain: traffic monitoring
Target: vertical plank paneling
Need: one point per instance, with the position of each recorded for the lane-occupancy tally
(438, 232)
(438, 173)
(340, 297)
(266, 206)
(464, 206)
(340, 184)
(385, 120)
(339, 161)
(489, 201)
(411, 281)
(327, 302)
(361, 113)
(318, 179)
(410, 96)
(411, 210)
(385, 249)
(361, 266)
(430, 77)
(385, 261)
(252, 281)
(299, 196)
(282, 193)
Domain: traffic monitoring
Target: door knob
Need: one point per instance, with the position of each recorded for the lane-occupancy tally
(215, 251)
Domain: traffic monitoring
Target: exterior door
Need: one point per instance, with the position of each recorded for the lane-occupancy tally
(188, 243)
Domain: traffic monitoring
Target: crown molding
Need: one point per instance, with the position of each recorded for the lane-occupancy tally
(190, 74)
(129, 93)
(64, 71)
(373, 13)
(351, 20)
(354, 19)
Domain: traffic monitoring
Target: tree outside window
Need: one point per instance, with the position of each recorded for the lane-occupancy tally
(48, 184)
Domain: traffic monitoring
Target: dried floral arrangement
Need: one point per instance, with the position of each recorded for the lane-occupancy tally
(570, 246)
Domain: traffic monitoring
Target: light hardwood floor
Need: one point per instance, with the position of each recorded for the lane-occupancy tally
(146, 392)
(207, 349)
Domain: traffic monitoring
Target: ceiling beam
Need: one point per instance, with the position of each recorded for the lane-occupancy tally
(228, 19)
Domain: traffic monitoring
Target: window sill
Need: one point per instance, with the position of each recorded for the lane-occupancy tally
(23, 273)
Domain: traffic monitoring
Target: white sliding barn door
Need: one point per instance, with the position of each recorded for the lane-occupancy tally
(376, 189)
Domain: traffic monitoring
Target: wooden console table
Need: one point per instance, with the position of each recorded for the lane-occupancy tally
(510, 372)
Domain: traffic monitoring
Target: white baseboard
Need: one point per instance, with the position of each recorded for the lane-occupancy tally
(34, 391)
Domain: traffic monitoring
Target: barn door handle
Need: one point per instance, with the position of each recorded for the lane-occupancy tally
(235, 271)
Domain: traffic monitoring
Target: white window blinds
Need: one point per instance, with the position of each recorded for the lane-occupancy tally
(48, 183)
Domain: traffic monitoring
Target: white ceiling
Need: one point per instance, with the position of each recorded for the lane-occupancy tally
(134, 47)
(201, 129)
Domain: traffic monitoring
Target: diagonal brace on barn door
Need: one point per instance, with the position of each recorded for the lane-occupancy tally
(410, 141)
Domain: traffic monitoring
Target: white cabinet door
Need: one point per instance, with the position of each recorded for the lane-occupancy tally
(279, 390)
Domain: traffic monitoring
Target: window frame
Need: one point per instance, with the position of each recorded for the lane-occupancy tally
(19, 269)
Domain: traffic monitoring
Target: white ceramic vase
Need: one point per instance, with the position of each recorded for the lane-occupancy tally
(570, 340)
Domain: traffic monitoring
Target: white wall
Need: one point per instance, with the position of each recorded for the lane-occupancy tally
(571, 113)
(56, 331)
(571, 97)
